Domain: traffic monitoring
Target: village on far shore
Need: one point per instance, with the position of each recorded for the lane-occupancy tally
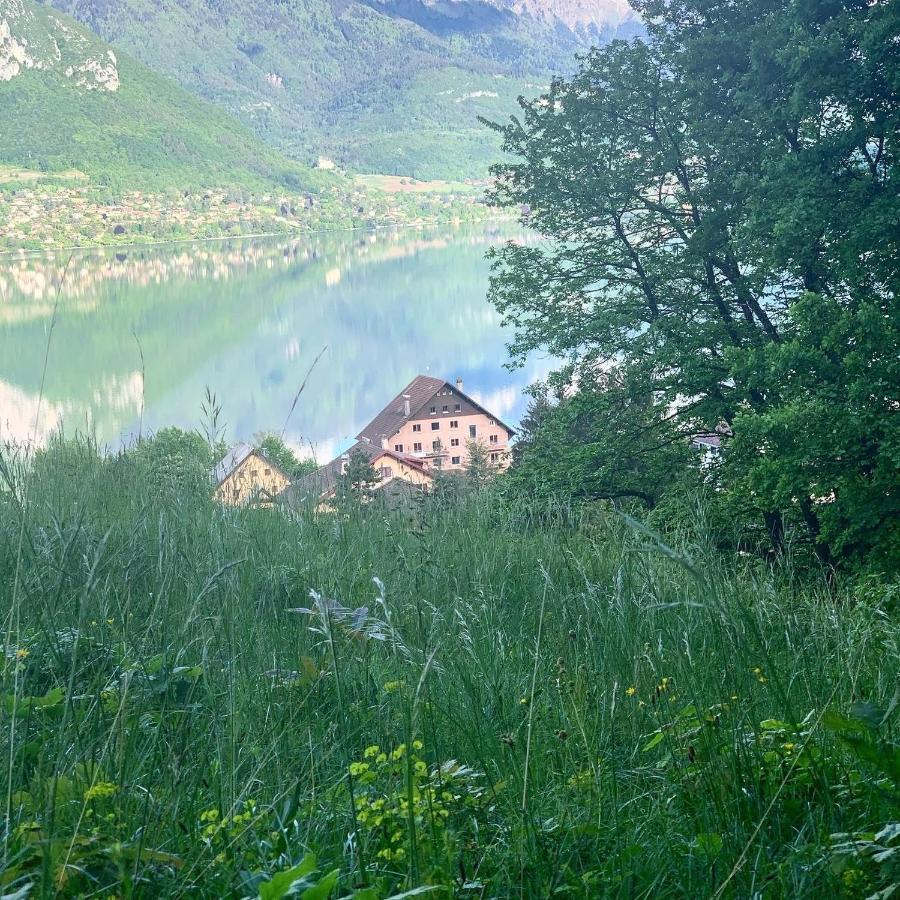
(432, 427)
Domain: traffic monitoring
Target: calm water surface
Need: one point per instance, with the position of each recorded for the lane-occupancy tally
(246, 318)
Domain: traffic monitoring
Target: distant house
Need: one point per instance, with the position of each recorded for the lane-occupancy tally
(709, 446)
(427, 428)
(246, 476)
(399, 477)
(709, 443)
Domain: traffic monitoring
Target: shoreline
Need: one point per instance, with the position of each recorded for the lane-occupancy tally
(393, 226)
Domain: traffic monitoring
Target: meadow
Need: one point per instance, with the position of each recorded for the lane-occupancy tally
(478, 697)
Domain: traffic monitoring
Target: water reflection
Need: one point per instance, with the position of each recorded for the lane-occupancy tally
(140, 334)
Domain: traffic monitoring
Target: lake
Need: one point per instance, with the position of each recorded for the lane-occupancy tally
(140, 333)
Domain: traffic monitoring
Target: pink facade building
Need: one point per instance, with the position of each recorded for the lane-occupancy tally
(431, 426)
(433, 420)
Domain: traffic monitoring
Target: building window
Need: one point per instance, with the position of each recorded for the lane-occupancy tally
(473, 430)
(398, 448)
(435, 426)
(417, 427)
(495, 457)
(438, 463)
(417, 448)
(433, 410)
(445, 409)
(436, 446)
(454, 442)
(493, 438)
(454, 423)
(456, 407)
(454, 460)
(491, 422)
(385, 471)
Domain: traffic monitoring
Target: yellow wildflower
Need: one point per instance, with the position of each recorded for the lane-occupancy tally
(22, 652)
(100, 791)
(631, 691)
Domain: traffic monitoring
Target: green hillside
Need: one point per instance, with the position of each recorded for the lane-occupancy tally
(75, 104)
(390, 87)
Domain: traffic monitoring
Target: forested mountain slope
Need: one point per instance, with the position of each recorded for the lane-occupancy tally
(393, 86)
(70, 102)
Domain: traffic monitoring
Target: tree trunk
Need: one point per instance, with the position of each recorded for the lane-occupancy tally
(775, 526)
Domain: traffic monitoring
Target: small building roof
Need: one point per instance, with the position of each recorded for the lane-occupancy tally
(707, 440)
(230, 461)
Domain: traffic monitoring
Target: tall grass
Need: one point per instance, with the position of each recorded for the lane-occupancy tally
(565, 705)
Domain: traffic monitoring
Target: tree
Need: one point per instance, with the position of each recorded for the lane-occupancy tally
(354, 485)
(540, 408)
(606, 441)
(478, 466)
(717, 204)
(272, 446)
(178, 463)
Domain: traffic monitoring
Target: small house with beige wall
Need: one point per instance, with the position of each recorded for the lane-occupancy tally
(246, 476)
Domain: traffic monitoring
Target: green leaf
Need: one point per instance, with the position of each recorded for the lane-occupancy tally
(654, 741)
(282, 883)
(708, 843)
(835, 721)
(323, 889)
(52, 698)
(774, 725)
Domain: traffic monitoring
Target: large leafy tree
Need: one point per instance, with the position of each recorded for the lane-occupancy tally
(608, 440)
(722, 219)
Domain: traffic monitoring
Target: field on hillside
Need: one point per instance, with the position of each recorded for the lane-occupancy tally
(475, 699)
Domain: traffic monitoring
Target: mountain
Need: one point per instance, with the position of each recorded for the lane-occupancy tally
(68, 101)
(389, 86)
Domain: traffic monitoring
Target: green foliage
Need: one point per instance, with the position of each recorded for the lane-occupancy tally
(177, 464)
(354, 485)
(407, 808)
(610, 716)
(607, 441)
(715, 205)
(478, 465)
(274, 447)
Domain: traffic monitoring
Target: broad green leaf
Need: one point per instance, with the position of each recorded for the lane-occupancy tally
(280, 884)
(709, 843)
(323, 889)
